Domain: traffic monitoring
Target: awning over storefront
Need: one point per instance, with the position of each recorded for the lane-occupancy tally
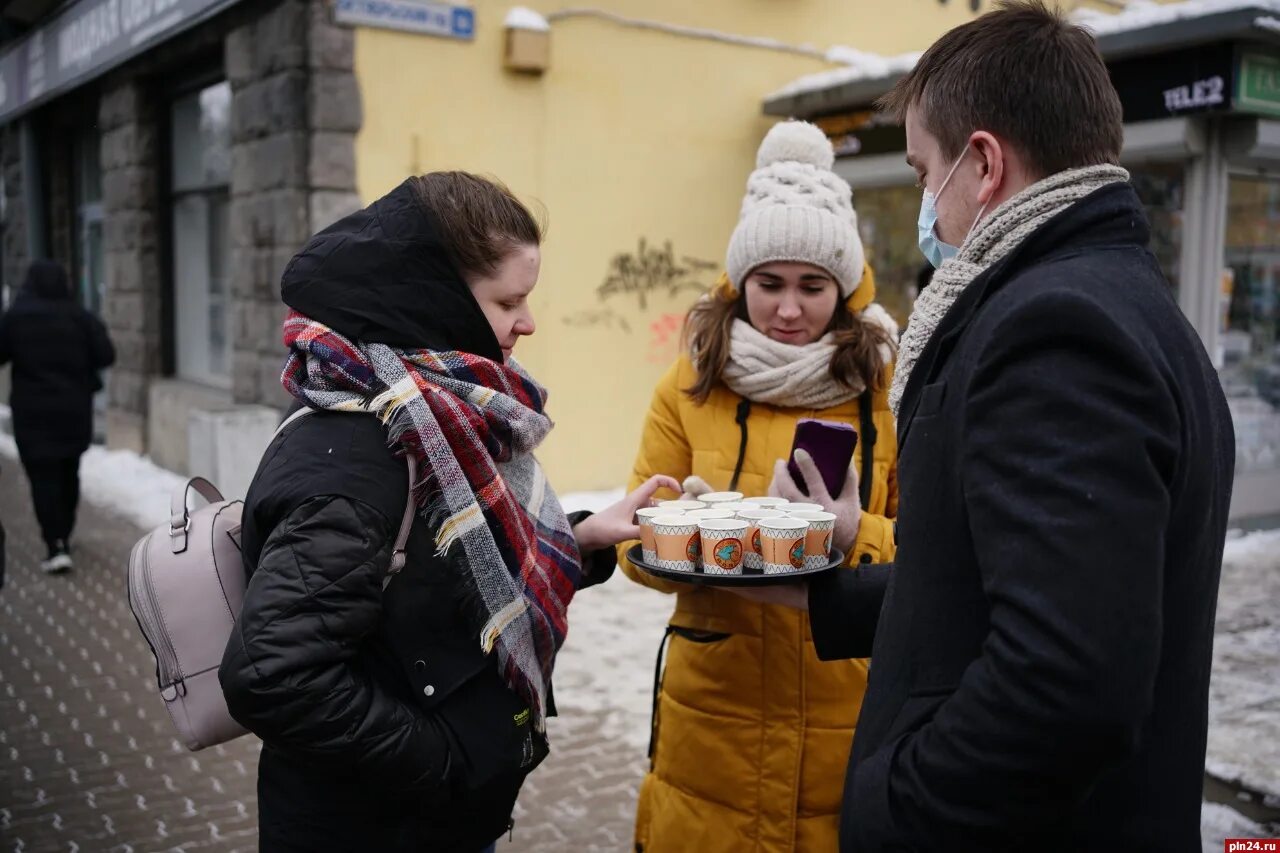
(86, 39)
(1166, 60)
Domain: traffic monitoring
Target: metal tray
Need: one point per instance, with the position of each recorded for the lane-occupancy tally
(635, 555)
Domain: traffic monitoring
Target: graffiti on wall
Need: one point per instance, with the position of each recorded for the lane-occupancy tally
(653, 270)
(648, 271)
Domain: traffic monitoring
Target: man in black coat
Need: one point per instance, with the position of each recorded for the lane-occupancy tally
(1041, 646)
(57, 349)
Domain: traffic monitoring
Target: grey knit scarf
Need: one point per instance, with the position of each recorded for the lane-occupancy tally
(996, 236)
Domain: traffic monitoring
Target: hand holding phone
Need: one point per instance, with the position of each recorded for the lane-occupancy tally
(831, 444)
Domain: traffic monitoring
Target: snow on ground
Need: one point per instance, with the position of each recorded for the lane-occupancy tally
(1244, 693)
(132, 485)
(1219, 822)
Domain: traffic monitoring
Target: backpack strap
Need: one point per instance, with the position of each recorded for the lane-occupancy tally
(406, 524)
(180, 515)
(296, 416)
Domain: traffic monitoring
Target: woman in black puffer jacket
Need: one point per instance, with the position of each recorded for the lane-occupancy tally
(401, 711)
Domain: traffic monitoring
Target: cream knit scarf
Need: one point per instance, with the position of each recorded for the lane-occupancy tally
(996, 236)
(766, 371)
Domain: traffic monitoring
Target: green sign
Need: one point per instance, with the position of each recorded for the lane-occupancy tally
(1258, 89)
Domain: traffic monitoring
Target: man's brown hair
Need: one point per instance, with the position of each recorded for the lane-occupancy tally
(1024, 73)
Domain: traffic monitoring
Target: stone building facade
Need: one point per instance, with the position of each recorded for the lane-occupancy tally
(175, 187)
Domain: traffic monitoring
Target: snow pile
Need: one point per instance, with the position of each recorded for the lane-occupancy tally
(522, 18)
(132, 485)
(1267, 22)
(855, 65)
(1139, 14)
(1244, 693)
(1219, 822)
(121, 480)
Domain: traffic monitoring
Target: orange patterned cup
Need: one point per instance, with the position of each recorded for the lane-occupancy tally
(677, 542)
(817, 544)
(752, 559)
(782, 542)
(644, 518)
(722, 545)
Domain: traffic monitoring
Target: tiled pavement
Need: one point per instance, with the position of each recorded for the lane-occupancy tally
(87, 758)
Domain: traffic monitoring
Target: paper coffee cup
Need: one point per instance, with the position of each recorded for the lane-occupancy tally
(722, 545)
(767, 502)
(644, 518)
(752, 561)
(712, 498)
(817, 543)
(792, 509)
(682, 506)
(782, 544)
(710, 512)
(677, 542)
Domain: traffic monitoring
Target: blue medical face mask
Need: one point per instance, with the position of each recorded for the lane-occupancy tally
(934, 250)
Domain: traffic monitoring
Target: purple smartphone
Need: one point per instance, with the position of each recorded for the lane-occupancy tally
(831, 444)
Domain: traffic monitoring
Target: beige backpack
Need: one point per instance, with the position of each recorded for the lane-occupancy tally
(186, 586)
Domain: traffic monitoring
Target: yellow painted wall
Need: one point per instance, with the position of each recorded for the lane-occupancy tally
(631, 135)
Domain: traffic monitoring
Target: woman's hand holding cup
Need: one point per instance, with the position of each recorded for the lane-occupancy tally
(616, 524)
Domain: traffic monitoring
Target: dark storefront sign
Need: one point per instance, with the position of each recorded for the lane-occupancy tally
(1219, 78)
(1185, 82)
(87, 39)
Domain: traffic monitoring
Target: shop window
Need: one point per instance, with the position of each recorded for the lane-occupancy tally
(887, 219)
(200, 146)
(887, 224)
(1160, 186)
(1250, 339)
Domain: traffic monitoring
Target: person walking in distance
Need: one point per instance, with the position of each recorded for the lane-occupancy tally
(57, 349)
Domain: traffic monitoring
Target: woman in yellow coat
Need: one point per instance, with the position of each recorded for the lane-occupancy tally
(751, 731)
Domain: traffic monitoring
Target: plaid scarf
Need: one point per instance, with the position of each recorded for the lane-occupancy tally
(473, 423)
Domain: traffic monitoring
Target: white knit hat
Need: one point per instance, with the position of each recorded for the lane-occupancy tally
(797, 209)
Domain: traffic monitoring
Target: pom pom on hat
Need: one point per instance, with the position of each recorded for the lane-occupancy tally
(797, 209)
(797, 141)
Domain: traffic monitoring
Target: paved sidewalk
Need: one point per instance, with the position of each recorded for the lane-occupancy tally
(87, 757)
(88, 761)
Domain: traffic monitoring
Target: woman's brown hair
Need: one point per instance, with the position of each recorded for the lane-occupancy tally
(480, 219)
(856, 363)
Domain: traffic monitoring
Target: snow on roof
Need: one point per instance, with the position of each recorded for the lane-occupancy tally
(522, 18)
(1139, 14)
(855, 65)
(860, 65)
